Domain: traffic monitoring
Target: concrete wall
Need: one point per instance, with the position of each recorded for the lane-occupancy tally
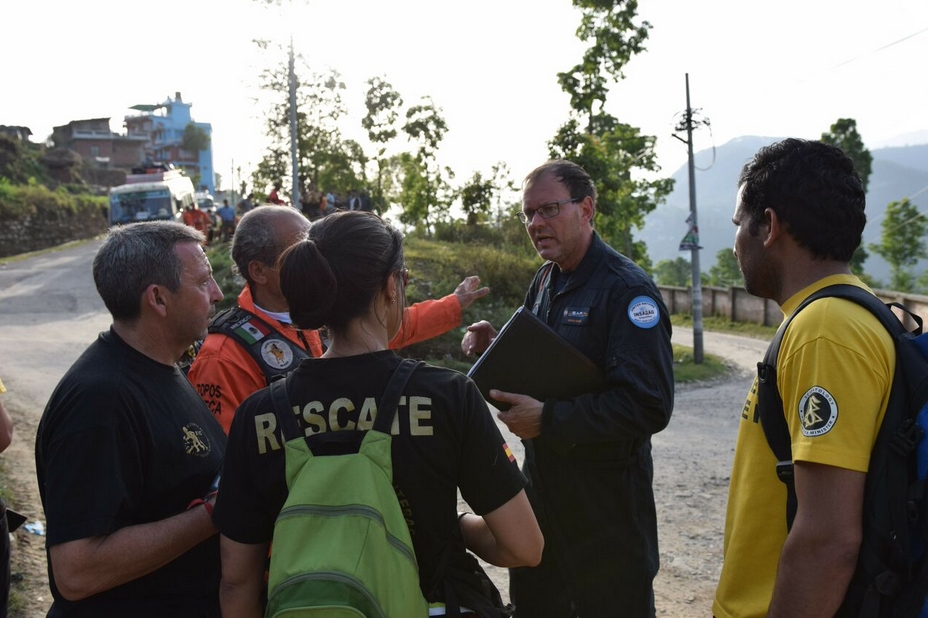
(736, 305)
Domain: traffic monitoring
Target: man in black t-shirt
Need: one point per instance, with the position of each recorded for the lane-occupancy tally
(126, 451)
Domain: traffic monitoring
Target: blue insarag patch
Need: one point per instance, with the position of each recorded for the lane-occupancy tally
(643, 312)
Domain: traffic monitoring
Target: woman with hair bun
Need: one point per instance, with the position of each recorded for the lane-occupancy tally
(350, 275)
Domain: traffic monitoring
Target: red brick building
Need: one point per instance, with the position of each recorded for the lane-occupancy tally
(95, 141)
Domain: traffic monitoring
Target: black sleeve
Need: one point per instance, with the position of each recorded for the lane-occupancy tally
(253, 486)
(639, 368)
(490, 476)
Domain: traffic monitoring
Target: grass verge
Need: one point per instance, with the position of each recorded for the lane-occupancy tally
(721, 325)
(685, 370)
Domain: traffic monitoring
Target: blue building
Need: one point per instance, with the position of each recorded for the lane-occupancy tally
(164, 125)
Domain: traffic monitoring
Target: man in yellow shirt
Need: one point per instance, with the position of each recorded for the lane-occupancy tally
(799, 218)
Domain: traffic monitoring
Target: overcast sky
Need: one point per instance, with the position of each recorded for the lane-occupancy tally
(773, 69)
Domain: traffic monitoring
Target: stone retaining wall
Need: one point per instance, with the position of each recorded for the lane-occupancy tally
(41, 231)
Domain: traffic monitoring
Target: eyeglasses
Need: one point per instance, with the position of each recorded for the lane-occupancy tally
(404, 276)
(546, 211)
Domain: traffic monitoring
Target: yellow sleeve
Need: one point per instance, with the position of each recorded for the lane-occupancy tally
(835, 381)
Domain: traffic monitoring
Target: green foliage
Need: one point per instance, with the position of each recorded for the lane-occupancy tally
(857, 261)
(725, 272)
(382, 103)
(614, 37)
(844, 135)
(426, 127)
(220, 258)
(615, 158)
(685, 370)
(902, 242)
(195, 139)
(721, 325)
(413, 189)
(34, 200)
(678, 272)
(436, 269)
(325, 159)
(477, 198)
(613, 153)
(19, 162)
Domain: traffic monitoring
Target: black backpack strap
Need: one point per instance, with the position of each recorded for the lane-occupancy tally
(392, 393)
(769, 402)
(274, 353)
(773, 420)
(284, 410)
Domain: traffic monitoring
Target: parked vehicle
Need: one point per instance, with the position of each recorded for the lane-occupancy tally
(151, 194)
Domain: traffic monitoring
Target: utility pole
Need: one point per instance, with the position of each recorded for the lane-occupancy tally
(691, 240)
(295, 193)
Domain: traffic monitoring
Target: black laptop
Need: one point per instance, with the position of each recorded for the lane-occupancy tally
(529, 358)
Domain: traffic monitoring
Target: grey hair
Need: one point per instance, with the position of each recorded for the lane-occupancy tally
(256, 239)
(135, 256)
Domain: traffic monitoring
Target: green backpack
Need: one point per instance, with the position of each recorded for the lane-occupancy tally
(342, 548)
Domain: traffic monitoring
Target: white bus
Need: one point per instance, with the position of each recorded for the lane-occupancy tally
(146, 197)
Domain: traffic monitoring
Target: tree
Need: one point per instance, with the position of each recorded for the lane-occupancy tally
(725, 272)
(613, 153)
(844, 135)
(195, 139)
(678, 272)
(426, 127)
(609, 26)
(325, 159)
(857, 261)
(902, 242)
(481, 193)
(383, 104)
(477, 198)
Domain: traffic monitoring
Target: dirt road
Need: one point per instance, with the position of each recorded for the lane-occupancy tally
(49, 312)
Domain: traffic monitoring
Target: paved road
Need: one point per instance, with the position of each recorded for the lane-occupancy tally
(49, 313)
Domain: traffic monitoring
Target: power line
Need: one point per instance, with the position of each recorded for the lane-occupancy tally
(910, 219)
(879, 49)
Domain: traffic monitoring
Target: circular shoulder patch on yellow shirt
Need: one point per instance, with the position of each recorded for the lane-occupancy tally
(818, 412)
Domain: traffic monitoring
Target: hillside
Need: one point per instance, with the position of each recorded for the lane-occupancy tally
(898, 172)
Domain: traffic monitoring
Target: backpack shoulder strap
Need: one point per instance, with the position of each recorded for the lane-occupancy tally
(391, 394)
(769, 402)
(274, 353)
(284, 410)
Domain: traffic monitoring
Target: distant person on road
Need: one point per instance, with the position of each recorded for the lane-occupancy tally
(246, 204)
(6, 437)
(588, 458)
(350, 277)
(798, 219)
(126, 453)
(256, 341)
(227, 216)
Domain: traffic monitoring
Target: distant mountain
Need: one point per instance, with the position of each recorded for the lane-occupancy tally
(898, 172)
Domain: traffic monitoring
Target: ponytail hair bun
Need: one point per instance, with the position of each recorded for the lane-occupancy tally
(308, 284)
